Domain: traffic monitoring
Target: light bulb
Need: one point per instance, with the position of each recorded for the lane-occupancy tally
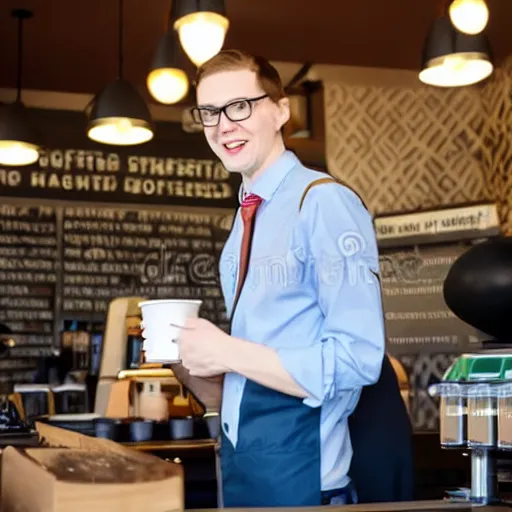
(123, 126)
(13, 152)
(457, 70)
(202, 35)
(167, 85)
(120, 131)
(469, 16)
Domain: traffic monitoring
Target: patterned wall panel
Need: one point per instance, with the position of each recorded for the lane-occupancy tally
(404, 148)
(424, 370)
(497, 138)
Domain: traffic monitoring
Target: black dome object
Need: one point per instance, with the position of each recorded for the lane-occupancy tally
(478, 288)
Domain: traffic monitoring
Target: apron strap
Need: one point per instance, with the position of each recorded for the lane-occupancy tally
(320, 181)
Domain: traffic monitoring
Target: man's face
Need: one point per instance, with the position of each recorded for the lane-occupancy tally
(243, 146)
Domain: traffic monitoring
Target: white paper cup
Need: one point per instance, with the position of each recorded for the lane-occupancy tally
(159, 318)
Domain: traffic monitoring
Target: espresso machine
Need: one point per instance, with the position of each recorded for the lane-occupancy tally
(122, 360)
(127, 385)
(475, 393)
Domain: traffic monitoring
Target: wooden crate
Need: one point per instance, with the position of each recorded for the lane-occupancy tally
(73, 472)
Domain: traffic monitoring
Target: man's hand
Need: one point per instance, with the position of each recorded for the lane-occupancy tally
(207, 390)
(203, 348)
(207, 351)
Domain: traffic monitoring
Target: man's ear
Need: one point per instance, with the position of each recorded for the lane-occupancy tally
(283, 113)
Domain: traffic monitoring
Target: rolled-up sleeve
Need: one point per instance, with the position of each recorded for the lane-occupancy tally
(336, 235)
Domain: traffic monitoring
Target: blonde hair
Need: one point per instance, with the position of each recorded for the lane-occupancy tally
(236, 60)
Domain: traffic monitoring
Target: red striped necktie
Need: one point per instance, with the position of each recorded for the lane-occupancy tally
(250, 205)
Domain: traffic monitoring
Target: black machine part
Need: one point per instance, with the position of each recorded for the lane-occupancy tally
(478, 288)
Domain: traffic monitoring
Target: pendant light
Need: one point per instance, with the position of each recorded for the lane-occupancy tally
(469, 16)
(19, 142)
(201, 26)
(454, 59)
(167, 82)
(119, 115)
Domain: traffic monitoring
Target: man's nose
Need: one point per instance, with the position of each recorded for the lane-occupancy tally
(225, 124)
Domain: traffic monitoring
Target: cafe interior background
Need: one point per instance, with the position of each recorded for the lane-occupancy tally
(381, 97)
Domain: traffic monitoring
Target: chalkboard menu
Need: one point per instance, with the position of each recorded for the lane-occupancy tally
(68, 260)
(62, 263)
(175, 168)
(417, 317)
(416, 253)
(28, 275)
(109, 252)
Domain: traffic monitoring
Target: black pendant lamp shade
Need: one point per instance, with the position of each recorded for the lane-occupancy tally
(19, 139)
(119, 115)
(454, 59)
(182, 8)
(202, 27)
(168, 53)
(167, 81)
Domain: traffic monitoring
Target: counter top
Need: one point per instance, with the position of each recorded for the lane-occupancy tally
(182, 444)
(207, 444)
(410, 506)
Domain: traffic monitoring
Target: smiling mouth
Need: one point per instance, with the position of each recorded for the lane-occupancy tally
(235, 145)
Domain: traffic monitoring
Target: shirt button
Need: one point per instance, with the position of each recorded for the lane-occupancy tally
(226, 427)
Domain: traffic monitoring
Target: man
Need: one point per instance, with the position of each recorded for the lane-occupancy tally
(298, 274)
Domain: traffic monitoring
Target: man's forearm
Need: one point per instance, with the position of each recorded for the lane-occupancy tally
(208, 390)
(261, 364)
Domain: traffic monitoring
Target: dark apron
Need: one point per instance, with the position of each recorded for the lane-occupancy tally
(382, 467)
(277, 458)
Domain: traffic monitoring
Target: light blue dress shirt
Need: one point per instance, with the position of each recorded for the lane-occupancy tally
(312, 294)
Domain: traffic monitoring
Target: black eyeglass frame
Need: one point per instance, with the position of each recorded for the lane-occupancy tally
(196, 111)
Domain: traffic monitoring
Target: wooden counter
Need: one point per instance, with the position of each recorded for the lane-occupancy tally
(411, 506)
(185, 444)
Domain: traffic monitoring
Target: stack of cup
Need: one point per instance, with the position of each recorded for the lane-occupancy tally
(162, 323)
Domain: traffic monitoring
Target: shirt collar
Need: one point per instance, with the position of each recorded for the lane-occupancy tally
(266, 184)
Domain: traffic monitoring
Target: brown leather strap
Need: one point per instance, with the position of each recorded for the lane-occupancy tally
(320, 181)
(311, 185)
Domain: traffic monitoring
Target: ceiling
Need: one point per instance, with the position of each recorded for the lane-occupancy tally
(71, 45)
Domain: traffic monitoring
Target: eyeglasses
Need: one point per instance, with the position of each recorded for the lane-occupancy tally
(238, 110)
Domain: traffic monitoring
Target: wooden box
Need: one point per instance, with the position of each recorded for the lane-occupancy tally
(74, 472)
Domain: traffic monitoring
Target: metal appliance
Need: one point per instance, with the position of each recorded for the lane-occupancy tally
(476, 415)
